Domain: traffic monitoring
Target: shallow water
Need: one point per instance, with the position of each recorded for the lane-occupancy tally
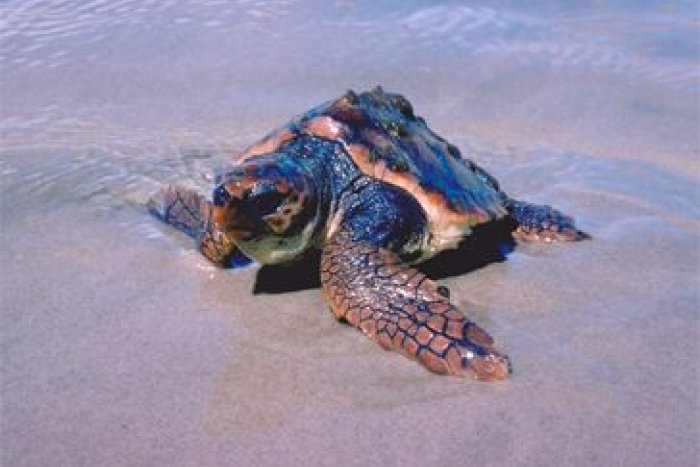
(121, 346)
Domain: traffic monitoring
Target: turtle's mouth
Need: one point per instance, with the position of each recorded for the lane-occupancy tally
(236, 221)
(268, 208)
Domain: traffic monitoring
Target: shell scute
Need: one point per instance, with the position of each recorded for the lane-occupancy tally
(387, 141)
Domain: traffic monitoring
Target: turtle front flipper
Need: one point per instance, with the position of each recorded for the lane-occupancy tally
(190, 212)
(535, 222)
(401, 309)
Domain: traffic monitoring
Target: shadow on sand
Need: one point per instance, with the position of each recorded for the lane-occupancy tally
(487, 244)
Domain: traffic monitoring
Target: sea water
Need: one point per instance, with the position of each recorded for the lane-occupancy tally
(122, 346)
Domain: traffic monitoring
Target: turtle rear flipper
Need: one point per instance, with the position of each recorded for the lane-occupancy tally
(190, 212)
(535, 222)
(401, 309)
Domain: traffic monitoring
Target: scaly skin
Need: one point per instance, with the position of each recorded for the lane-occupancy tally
(401, 309)
(542, 223)
(367, 180)
(191, 213)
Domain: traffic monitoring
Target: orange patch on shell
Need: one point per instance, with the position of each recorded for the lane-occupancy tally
(326, 127)
(268, 145)
(446, 225)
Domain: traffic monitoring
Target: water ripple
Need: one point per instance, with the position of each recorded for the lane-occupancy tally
(610, 42)
(33, 28)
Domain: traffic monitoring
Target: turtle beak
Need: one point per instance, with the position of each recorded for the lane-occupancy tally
(230, 215)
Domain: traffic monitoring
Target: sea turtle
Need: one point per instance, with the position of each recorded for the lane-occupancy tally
(366, 181)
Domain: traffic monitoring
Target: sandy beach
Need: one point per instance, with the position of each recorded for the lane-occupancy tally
(122, 346)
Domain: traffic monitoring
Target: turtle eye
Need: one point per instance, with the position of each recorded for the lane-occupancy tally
(268, 202)
(221, 196)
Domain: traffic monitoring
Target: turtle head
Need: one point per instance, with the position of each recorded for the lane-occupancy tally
(268, 205)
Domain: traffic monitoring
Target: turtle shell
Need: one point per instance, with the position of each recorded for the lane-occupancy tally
(387, 141)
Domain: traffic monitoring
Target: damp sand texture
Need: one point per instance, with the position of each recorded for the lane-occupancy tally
(122, 346)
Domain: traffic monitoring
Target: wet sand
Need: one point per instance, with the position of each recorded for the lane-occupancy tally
(121, 346)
